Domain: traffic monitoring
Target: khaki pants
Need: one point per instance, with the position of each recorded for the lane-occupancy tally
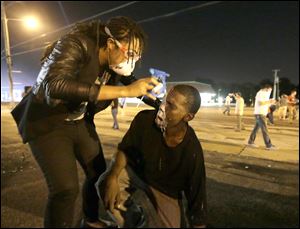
(292, 113)
(167, 208)
(240, 125)
(282, 112)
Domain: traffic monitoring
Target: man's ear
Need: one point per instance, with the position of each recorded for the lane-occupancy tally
(188, 117)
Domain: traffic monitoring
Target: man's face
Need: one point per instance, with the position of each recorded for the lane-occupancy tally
(268, 89)
(176, 108)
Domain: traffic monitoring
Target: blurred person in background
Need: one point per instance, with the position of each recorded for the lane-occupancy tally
(227, 104)
(283, 107)
(114, 112)
(292, 102)
(262, 103)
(239, 111)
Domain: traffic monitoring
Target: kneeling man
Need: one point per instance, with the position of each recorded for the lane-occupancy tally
(161, 155)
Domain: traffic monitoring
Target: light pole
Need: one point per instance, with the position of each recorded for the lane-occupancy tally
(7, 51)
(276, 84)
(30, 22)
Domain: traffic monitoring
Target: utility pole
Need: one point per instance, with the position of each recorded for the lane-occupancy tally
(276, 84)
(7, 50)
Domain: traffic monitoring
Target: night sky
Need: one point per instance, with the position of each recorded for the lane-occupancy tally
(231, 42)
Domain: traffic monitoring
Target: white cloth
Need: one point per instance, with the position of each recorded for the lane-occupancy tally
(227, 100)
(239, 106)
(261, 96)
(160, 119)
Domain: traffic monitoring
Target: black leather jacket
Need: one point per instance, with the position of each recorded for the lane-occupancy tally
(66, 79)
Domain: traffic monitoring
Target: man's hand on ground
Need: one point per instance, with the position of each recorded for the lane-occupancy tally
(112, 192)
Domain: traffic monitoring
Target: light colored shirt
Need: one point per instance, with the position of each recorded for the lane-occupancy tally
(261, 96)
(239, 106)
(227, 100)
(283, 102)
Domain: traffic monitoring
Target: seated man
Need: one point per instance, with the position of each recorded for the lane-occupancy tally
(161, 155)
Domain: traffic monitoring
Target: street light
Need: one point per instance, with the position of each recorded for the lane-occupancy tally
(31, 23)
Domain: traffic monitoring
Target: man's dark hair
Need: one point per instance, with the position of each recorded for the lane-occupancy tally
(264, 86)
(294, 90)
(192, 96)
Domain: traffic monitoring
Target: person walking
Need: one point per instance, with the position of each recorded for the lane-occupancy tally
(114, 112)
(239, 111)
(227, 104)
(292, 101)
(262, 103)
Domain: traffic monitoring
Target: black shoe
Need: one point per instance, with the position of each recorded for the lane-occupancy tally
(142, 222)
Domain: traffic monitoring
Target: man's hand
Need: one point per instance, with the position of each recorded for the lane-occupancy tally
(112, 192)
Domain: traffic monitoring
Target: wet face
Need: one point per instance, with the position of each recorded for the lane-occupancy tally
(119, 51)
(176, 108)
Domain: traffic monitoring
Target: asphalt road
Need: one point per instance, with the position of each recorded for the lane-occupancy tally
(244, 188)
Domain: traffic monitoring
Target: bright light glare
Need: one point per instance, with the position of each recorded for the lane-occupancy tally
(31, 22)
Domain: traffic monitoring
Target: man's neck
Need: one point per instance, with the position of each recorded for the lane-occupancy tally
(175, 135)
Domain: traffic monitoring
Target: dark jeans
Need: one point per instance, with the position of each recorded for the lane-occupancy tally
(227, 109)
(260, 122)
(56, 154)
(270, 117)
(128, 214)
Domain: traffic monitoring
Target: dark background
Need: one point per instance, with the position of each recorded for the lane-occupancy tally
(226, 43)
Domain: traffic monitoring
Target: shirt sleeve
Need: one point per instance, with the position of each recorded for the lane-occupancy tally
(196, 189)
(130, 142)
(61, 68)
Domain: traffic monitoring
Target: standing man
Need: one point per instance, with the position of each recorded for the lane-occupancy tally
(114, 112)
(227, 104)
(262, 103)
(292, 105)
(239, 111)
(283, 106)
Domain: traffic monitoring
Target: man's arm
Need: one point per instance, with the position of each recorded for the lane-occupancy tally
(120, 163)
(112, 190)
(129, 141)
(196, 189)
(271, 101)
